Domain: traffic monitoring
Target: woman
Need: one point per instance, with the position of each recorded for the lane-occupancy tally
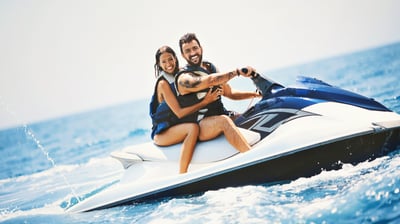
(173, 124)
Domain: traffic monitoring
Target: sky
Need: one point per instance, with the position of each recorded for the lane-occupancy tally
(60, 57)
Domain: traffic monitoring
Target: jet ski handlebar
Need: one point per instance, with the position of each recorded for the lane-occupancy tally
(253, 73)
(264, 85)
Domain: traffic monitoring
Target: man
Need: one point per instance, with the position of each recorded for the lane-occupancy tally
(192, 52)
(194, 82)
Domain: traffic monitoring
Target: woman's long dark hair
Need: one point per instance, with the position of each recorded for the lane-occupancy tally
(157, 67)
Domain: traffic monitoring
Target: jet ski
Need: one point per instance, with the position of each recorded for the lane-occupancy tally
(296, 131)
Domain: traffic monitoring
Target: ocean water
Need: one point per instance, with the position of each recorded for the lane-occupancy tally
(47, 167)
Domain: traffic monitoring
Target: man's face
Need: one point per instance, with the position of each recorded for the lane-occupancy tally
(192, 52)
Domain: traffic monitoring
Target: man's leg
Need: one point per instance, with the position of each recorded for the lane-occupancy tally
(211, 127)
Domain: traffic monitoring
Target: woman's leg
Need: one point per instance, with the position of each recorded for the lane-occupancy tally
(186, 133)
(211, 127)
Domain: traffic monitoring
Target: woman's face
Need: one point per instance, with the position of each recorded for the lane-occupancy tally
(167, 62)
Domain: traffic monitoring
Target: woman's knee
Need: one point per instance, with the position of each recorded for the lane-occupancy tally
(193, 128)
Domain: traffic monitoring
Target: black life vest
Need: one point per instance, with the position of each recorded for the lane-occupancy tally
(214, 108)
(161, 114)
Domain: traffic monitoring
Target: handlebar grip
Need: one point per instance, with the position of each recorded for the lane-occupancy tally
(253, 73)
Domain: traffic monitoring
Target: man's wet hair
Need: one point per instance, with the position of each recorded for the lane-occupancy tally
(187, 38)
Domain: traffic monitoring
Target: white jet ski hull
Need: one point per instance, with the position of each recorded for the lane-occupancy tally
(322, 137)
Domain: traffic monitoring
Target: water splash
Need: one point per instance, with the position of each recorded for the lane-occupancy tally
(45, 152)
(29, 133)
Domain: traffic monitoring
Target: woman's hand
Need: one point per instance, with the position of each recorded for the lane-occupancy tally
(212, 96)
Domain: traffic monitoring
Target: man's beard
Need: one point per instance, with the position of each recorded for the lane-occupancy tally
(198, 63)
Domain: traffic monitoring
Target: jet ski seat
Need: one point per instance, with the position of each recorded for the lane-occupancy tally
(205, 152)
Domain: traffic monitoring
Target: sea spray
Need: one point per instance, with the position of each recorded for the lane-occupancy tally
(30, 134)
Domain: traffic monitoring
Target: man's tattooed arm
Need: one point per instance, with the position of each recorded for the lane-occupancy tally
(190, 82)
(221, 78)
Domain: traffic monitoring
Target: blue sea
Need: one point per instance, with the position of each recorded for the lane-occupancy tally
(48, 166)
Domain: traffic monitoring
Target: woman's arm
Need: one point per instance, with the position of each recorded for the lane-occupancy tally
(165, 90)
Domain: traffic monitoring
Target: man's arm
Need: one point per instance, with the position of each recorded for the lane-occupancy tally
(188, 82)
(238, 95)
